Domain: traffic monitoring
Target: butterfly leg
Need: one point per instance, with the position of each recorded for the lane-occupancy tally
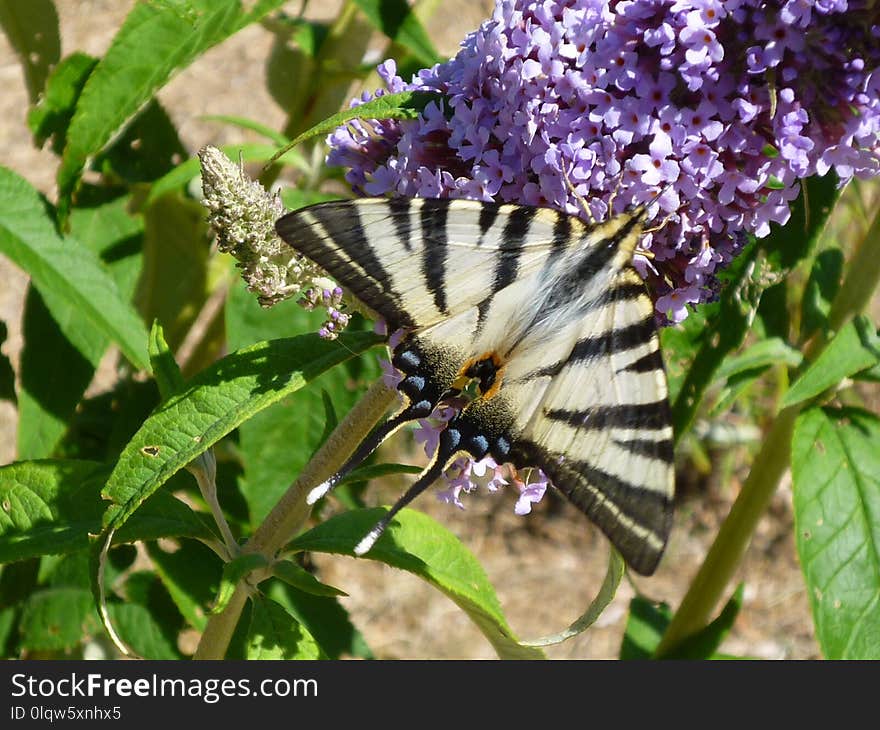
(422, 391)
(457, 438)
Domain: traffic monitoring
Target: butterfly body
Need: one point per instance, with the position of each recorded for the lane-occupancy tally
(542, 319)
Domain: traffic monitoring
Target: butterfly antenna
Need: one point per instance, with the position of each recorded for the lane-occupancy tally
(372, 442)
(428, 477)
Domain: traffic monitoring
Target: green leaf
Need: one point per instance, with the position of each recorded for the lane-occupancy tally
(145, 151)
(233, 572)
(645, 626)
(403, 105)
(191, 575)
(50, 507)
(773, 351)
(55, 619)
(63, 270)
(416, 543)
(820, 290)
(740, 371)
(298, 577)
(52, 114)
(54, 376)
(140, 631)
(648, 622)
(155, 41)
(704, 644)
(396, 20)
(173, 285)
(324, 617)
(32, 29)
(594, 610)
(219, 399)
(376, 471)
(855, 347)
(273, 135)
(836, 472)
(104, 222)
(275, 634)
(165, 368)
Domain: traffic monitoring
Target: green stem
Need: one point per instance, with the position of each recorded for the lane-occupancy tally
(290, 513)
(708, 586)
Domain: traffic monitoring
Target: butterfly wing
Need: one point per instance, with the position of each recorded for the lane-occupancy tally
(418, 262)
(602, 429)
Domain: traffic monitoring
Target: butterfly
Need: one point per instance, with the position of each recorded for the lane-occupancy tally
(538, 317)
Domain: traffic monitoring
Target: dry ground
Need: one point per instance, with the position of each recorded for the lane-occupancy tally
(546, 567)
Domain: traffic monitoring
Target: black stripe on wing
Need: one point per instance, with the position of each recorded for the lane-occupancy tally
(654, 415)
(432, 217)
(635, 519)
(331, 235)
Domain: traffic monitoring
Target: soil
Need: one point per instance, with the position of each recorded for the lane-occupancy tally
(546, 567)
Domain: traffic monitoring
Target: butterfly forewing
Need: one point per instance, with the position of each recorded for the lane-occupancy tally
(556, 308)
(417, 262)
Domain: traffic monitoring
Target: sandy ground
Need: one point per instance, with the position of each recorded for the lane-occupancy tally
(547, 567)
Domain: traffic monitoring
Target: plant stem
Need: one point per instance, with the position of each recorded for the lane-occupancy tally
(707, 588)
(290, 513)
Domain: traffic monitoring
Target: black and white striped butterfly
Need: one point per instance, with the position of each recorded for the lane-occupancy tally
(540, 314)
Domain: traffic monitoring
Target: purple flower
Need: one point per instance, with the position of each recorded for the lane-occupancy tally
(636, 97)
(721, 108)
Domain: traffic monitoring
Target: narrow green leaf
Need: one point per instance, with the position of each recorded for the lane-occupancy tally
(403, 105)
(298, 577)
(105, 223)
(52, 114)
(63, 270)
(165, 368)
(740, 371)
(396, 20)
(704, 644)
(216, 401)
(773, 351)
(155, 41)
(273, 135)
(855, 348)
(645, 626)
(147, 149)
(54, 376)
(275, 634)
(51, 507)
(416, 543)
(173, 285)
(375, 471)
(594, 610)
(647, 622)
(233, 572)
(820, 290)
(836, 471)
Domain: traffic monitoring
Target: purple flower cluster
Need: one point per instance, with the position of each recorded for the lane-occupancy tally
(721, 107)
